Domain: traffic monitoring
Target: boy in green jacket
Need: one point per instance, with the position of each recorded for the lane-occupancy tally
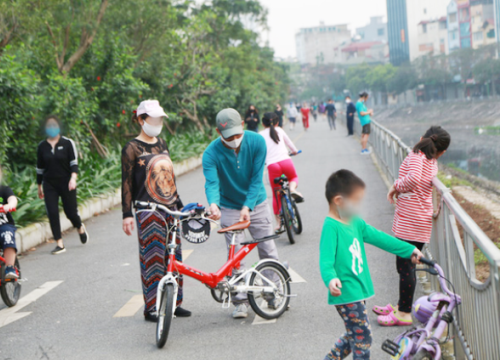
(343, 263)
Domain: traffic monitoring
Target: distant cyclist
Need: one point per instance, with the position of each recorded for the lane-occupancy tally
(278, 161)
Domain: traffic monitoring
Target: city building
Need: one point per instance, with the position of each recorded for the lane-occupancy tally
(482, 23)
(465, 35)
(432, 37)
(354, 53)
(452, 24)
(403, 17)
(316, 44)
(376, 30)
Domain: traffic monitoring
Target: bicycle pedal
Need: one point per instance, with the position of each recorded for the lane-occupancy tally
(390, 347)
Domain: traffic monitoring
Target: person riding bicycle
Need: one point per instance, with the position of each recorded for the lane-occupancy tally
(343, 263)
(233, 166)
(8, 230)
(278, 161)
(148, 175)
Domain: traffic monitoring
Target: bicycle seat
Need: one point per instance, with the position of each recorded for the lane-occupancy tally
(279, 180)
(241, 225)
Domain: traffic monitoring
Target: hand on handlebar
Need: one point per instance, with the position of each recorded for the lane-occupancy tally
(214, 211)
(415, 257)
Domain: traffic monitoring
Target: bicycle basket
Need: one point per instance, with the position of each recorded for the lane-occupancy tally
(195, 230)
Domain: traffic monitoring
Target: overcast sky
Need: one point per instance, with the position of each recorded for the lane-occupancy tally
(287, 16)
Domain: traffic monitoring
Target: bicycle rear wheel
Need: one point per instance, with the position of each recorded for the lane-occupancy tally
(287, 218)
(165, 315)
(10, 290)
(270, 305)
(296, 221)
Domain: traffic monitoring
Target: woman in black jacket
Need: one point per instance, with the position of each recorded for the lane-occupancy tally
(252, 118)
(57, 171)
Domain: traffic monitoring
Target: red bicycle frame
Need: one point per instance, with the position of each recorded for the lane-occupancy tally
(210, 279)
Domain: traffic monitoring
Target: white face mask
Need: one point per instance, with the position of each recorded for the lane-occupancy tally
(233, 144)
(152, 130)
(347, 101)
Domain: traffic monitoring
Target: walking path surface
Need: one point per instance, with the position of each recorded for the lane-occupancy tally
(95, 311)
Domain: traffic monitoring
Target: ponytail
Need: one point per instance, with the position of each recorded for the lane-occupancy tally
(434, 141)
(270, 120)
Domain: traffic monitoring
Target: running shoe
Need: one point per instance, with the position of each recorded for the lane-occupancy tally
(240, 312)
(58, 250)
(11, 272)
(297, 197)
(84, 237)
(151, 316)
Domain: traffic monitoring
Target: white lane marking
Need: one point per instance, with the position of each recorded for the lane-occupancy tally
(296, 278)
(137, 301)
(131, 307)
(186, 254)
(261, 321)
(11, 314)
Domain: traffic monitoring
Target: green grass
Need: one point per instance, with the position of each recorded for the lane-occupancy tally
(480, 258)
(453, 181)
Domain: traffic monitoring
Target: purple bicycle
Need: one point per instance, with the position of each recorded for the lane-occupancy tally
(435, 312)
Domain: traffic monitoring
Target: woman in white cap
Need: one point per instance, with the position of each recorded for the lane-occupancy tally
(148, 175)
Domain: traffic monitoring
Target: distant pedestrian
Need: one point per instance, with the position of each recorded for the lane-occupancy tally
(57, 171)
(305, 110)
(350, 111)
(292, 115)
(314, 111)
(413, 216)
(331, 113)
(279, 112)
(365, 120)
(252, 118)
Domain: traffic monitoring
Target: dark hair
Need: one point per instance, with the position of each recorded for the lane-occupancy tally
(255, 108)
(363, 94)
(270, 120)
(135, 118)
(435, 140)
(347, 97)
(52, 116)
(342, 182)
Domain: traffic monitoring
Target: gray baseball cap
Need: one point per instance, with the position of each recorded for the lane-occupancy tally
(229, 123)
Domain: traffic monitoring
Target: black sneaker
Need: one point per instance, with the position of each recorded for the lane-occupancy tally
(151, 316)
(84, 238)
(180, 312)
(58, 250)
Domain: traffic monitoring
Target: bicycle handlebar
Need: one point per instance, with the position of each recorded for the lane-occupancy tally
(3, 211)
(426, 261)
(298, 152)
(154, 206)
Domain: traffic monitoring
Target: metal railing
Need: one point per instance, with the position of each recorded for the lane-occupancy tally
(477, 325)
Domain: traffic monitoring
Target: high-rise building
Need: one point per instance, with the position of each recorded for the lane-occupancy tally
(397, 32)
(316, 44)
(453, 28)
(482, 23)
(376, 30)
(403, 17)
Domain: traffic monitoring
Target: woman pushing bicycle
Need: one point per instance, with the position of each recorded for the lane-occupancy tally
(278, 160)
(148, 175)
(413, 216)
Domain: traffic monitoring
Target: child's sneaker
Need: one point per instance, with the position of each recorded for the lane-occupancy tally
(11, 272)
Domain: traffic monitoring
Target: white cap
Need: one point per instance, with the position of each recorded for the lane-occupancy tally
(152, 108)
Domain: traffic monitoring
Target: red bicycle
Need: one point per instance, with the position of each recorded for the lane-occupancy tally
(267, 283)
(10, 289)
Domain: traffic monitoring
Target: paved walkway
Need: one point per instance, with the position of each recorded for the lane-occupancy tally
(89, 302)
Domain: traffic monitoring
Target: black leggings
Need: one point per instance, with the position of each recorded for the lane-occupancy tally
(407, 279)
(53, 189)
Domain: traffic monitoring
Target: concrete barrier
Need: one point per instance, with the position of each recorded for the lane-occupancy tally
(38, 233)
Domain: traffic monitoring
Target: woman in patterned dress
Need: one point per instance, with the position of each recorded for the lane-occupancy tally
(148, 175)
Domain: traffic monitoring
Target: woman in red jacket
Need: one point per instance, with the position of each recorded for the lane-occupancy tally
(305, 115)
(413, 216)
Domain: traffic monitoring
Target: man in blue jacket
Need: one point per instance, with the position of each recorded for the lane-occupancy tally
(233, 166)
(350, 111)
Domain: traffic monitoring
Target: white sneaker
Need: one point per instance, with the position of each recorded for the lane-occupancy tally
(240, 312)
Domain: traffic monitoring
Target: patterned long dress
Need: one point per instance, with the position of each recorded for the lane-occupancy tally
(148, 175)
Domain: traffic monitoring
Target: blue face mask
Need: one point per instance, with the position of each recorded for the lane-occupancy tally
(52, 132)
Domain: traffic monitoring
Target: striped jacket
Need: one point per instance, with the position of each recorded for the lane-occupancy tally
(414, 209)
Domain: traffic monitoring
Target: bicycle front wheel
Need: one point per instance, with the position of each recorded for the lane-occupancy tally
(165, 315)
(10, 290)
(297, 221)
(287, 218)
(270, 305)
